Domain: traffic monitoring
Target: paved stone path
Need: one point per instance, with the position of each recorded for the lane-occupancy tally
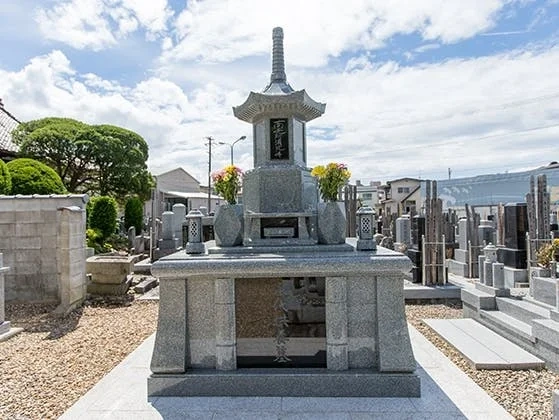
(447, 393)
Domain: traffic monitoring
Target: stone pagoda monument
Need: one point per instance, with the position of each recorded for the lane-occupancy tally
(281, 313)
(279, 195)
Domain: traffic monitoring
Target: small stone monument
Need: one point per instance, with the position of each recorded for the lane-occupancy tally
(282, 314)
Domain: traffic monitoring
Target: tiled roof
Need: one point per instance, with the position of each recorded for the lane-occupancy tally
(7, 123)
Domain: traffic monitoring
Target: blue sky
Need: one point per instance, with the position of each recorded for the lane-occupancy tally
(412, 88)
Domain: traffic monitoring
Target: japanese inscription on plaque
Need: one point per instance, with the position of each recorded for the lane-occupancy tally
(279, 140)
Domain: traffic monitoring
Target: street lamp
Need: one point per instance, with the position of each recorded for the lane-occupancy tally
(232, 144)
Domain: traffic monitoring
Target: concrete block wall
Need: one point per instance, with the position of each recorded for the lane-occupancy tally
(42, 238)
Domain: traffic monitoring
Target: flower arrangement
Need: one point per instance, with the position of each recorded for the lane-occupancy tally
(330, 178)
(227, 183)
(548, 252)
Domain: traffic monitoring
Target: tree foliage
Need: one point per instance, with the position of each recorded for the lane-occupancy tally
(102, 216)
(134, 214)
(5, 179)
(97, 159)
(30, 176)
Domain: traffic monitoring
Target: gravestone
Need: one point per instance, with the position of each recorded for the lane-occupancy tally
(414, 251)
(403, 230)
(168, 243)
(513, 254)
(179, 213)
(281, 314)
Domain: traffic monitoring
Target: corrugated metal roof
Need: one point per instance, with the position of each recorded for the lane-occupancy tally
(7, 123)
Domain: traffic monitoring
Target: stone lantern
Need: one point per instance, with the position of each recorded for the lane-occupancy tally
(365, 231)
(195, 244)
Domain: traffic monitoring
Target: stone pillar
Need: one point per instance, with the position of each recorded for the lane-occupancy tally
(72, 280)
(225, 333)
(481, 273)
(498, 275)
(170, 350)
(487, 272)
(394, 345)
(336, 324)
(179, 213)
(4, 325)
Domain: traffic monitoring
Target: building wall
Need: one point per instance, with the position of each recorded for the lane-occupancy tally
(177, 180)
(43, 242)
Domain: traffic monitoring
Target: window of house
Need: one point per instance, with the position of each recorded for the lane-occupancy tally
(366, 196)
(403, 190)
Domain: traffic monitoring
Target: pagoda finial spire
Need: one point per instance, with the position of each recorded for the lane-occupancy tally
(278, 64)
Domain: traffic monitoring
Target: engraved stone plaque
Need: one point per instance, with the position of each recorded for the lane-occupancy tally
(279, 139)
(280, 322)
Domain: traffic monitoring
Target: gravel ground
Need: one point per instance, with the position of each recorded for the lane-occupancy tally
(55, 361)
(525, 394)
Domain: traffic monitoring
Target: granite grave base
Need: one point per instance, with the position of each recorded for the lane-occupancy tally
(286, 383)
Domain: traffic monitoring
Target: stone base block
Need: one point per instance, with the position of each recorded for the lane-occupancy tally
(458, 268)
(514, 275)
(286, 383)
(515, 258)
(110, 269)
(544, 290)
(493, 291)
(461, 255)
(109, 289)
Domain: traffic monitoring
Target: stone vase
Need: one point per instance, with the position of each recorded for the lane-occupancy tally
(331, 224)
(228, 225)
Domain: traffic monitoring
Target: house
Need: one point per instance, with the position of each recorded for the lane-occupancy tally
(177, 186)
(368, 194)
(401, 196)
(8, 123)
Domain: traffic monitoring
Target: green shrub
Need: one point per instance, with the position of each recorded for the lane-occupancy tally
(5, 179)
(103, 215)
(30, 176)
(134, 214)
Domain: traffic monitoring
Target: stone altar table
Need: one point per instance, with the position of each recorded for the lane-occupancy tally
(368, 350)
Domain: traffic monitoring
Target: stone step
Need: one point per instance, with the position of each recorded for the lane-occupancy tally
(521, 309)
(506, 322)
(484, 348)
(147, 284)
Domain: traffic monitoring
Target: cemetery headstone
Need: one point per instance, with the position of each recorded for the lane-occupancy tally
(281, 302)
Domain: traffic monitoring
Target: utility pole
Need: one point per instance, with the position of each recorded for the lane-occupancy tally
(209, 144)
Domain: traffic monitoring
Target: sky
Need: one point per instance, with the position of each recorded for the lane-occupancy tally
(423, 89)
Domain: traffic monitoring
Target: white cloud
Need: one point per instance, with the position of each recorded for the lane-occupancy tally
(221, 31)
(98, 24)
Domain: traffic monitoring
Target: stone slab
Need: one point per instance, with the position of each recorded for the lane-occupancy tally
(145, 285)
(418, 291)
(555, 404)
(484, 348)
(9, 333)
(448, 393)
(286, 383)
